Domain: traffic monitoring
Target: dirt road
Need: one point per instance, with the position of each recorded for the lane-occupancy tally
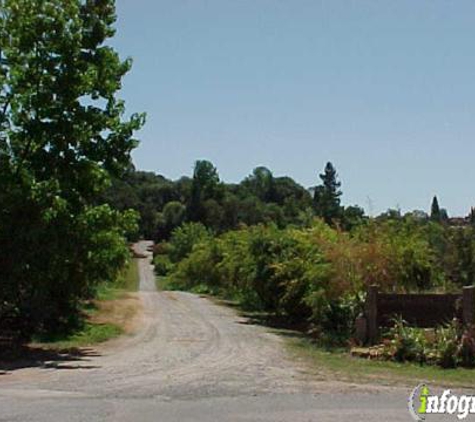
(189, 360)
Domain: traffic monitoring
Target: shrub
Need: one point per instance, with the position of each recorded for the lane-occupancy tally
(315, 275)
(266, 246)
(162, 248)
(466, 350)
(237, 268)
(407, 343)
(447, 345)
(163, 265)
(184, 238)
(199, 267)
(397, 255)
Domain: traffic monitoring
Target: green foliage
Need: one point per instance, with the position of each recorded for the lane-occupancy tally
(164, 205)
(163, 265)
(205, 187)
(447, 346)
(62, 135)
(466, 349)
(353, 216)
(128, 280)
(184, 238)
(261, 184)
(407, 343)
(397, 255)
(89, 334)
(435, 214)
(199, 267)
(236, 267)
(316, 275)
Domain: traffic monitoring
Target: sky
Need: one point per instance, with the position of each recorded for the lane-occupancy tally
(385, 90)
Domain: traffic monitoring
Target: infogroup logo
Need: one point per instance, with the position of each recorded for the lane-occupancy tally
(422, 403)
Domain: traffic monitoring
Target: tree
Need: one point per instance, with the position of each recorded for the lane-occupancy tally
(390, 214)
(438, 214)
(471, 216)
(205, 185)
(444, 215)
(418, 215)
(326, 199)
(173, 215)
(62, 134)
(435, 210)
(352, 217)
(261, 184)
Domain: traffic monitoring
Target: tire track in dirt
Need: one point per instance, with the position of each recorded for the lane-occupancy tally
(185, 347)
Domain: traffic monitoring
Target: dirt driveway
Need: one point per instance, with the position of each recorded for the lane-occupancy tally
(191, 360)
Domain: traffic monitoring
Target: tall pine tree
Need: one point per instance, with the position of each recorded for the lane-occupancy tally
(435, 214)
(438, 214)
(326, 199)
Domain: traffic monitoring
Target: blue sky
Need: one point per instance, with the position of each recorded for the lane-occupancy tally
(384, 89)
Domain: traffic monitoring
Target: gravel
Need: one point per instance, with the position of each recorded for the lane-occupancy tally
(189, 359)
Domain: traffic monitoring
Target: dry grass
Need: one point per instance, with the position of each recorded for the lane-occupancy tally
(123, 312)
(115, 311)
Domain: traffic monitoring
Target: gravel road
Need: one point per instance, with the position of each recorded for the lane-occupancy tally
(189, 360)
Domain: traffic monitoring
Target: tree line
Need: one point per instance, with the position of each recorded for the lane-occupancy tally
(261, 198)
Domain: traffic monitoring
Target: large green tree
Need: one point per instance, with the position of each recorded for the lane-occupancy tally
(62, 134)
(205, 186)
(261, 184)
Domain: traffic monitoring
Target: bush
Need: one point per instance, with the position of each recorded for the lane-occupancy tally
(184, 238)
(397, 255)
(467, 347)
(447, 346)
(199, 267)
(163, 265)
(315, 275)
(407, 343)
(237, 268)
(162, 248)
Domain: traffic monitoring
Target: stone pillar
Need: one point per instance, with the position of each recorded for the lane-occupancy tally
(361, 329)
(468, 303)
(372, 314)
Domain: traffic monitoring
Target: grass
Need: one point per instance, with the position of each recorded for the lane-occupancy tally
(338, 364)
(163, 283)
(126, 282)
(88, 335)
(105, 317)
(166, 283)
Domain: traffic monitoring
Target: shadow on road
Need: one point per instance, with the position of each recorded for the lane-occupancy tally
(36, 357)
(281, 324)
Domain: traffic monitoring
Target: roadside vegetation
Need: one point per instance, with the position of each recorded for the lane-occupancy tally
(339, 364)
(314, 275)
(103, 318)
